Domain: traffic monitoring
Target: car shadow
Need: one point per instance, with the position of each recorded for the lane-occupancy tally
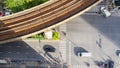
(79, 49)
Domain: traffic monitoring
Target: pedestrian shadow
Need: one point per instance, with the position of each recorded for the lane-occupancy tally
(99, 42)
(98, 63)
(88, 64)
(79, 49)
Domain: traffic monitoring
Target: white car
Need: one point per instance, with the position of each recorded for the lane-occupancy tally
(84, 54)
(105, 12)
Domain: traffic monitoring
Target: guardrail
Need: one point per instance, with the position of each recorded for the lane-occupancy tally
(54, 12)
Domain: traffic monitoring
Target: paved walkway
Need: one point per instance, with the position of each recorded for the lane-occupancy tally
(96, 34)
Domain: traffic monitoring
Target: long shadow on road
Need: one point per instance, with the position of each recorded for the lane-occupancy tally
(109, 27)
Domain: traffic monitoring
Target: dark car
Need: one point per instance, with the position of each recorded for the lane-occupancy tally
(49, 48)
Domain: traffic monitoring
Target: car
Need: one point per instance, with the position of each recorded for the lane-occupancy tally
(84, 54)
(105, 12)
(49, 48)
(4, 61)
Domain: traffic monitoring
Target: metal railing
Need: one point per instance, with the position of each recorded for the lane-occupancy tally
(30, 23)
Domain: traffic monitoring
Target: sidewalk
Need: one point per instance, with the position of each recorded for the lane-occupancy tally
(97, 35)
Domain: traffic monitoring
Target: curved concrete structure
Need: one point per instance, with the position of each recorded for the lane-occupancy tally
(41, 18)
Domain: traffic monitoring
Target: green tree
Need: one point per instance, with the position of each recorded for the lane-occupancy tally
(56, 35)
(19, 5)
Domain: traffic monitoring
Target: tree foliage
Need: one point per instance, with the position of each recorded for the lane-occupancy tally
(56, 35)
(19, 5)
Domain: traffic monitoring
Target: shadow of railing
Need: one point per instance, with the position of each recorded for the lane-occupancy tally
(20, 52)
(28, 24)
